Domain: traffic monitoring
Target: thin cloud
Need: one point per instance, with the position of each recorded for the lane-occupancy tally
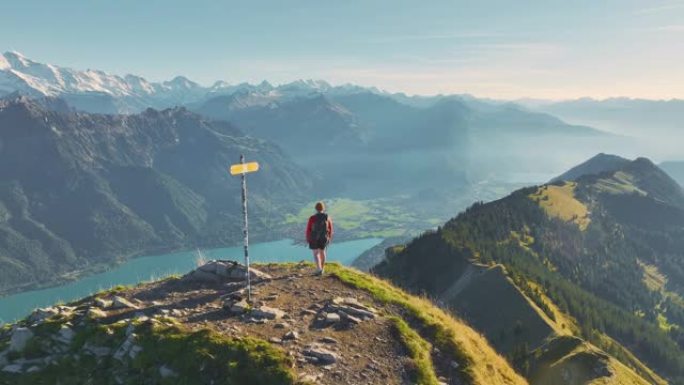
(427, 37)
(671, 28)
(660, 8)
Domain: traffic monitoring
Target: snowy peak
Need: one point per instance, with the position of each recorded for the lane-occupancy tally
(16, 60)
(98, 91)
(181, 82)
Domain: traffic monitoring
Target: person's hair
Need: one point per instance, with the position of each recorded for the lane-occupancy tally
(320, 206)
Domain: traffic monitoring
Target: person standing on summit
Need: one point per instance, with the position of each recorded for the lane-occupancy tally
(319, 233)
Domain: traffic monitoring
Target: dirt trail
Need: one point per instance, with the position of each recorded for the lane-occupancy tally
(365, 352)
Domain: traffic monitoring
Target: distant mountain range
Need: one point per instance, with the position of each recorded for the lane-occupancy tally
(624, 115)
(656, 124)
(386, 136)
(98, 91)
(596, 254)
(374, 140)
(80, 190)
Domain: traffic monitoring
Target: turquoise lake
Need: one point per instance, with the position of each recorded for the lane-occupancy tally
(147, 268)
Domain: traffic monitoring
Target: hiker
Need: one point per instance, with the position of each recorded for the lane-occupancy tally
(319, 233)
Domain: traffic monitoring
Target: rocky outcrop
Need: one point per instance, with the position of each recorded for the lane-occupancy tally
(216, 271)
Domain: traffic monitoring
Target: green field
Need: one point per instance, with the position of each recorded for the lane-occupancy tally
(381, 218)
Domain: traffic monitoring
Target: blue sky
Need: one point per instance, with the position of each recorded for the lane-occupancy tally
(500, 49)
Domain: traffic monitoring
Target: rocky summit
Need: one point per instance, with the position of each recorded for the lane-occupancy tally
(344, 327)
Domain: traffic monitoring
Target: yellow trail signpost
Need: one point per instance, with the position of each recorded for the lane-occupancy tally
(243, 169)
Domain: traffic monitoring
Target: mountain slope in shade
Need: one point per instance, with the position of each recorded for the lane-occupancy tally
(78, 190)
(580, 258)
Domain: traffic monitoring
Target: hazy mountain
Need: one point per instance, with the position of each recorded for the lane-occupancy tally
(461, 138)
(675, 170)
(383, 142)
(77, 189)
(627, 115)
(656, 124)
(599, 258)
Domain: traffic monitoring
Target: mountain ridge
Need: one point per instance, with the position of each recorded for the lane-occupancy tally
(98, 187)
(349, 328)
(573, 246)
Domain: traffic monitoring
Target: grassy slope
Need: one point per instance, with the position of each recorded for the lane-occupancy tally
(571, 361)
(496, 307)
(418, 324)
(481, 364)
(560, 202)
(224, 360)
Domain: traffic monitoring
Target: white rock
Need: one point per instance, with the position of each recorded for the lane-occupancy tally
(65, 335)
(166, 372)
(239, 307)
(95, 313)
(40, 315)
(14, 368)
(214, 271)
(332, 318)
(324, 356)
(122, 303)
(268, 312)
(125, 347)
(103, 303)
(33, 369)
(135, 350)
(20, 337)
(291, 335)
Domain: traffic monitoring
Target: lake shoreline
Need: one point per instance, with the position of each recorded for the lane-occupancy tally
(98, 268)
(143, 268)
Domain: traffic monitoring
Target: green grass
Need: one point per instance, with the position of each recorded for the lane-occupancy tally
(379, 218)
(423, 372)
(653, 278)
(560, 202)
(198, 357)
(480, 364)
(231, 361)
(619, 183)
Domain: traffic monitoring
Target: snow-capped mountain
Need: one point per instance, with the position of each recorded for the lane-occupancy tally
(97, 91)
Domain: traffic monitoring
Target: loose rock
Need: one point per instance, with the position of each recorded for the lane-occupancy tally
(95, 313)
(20, 337)
(268, 312)
(291, 336)
(166, 372)
(122, 303)
(239, 307)
(324, 356)
(103, 303)
(328, 340)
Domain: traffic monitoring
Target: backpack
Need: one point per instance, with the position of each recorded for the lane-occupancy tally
(319, 229)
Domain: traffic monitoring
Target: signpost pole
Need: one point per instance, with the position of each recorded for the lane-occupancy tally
(246, 230)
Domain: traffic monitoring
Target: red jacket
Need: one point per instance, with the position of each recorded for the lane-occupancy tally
(312, 219)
